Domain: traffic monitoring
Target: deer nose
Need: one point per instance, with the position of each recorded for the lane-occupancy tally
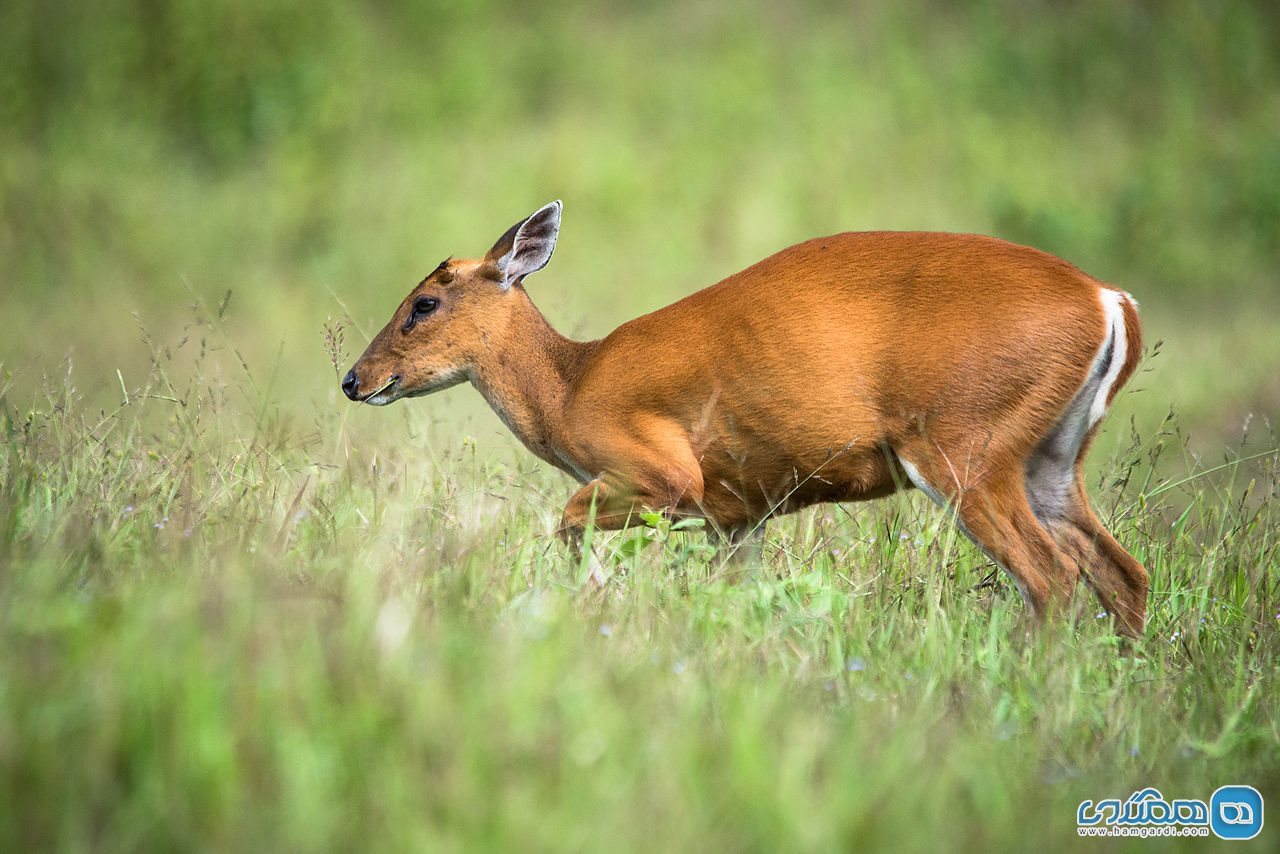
(351, 385)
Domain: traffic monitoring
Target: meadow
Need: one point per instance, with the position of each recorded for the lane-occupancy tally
(238, 612)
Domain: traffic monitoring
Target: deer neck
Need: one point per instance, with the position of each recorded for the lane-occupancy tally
(526, 373)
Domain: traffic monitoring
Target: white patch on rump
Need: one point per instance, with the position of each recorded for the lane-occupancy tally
(1113, 308)
(1050, 470)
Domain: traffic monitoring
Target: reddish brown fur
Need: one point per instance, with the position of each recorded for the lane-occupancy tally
(804, 378)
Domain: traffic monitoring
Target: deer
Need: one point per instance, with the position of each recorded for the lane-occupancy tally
(841, 369)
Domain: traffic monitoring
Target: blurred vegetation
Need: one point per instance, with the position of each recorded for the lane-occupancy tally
(297, 152)
(236, 612)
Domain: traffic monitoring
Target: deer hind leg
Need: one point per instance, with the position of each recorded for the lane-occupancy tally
(993, 511)
(1056, 488)
(1116, 577)
(1055, 485)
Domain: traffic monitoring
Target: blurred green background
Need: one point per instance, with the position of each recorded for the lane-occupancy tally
(316, 158)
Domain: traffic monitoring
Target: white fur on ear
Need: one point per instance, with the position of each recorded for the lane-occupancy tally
(534, 242)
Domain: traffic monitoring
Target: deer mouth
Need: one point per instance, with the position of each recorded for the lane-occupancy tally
(387, 393)
(394, 388)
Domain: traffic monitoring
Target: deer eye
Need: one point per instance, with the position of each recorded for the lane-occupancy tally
(422, 306)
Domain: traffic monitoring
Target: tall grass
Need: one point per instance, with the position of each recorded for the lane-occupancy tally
(228, 626)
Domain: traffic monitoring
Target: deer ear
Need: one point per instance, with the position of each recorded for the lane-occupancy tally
(527, 246)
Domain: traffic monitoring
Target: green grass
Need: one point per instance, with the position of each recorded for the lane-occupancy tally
(237, 612)
(235, 627)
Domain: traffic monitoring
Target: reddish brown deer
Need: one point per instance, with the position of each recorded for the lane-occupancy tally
(840, 369)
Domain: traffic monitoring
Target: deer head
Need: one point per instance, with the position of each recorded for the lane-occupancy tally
(442, 329)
